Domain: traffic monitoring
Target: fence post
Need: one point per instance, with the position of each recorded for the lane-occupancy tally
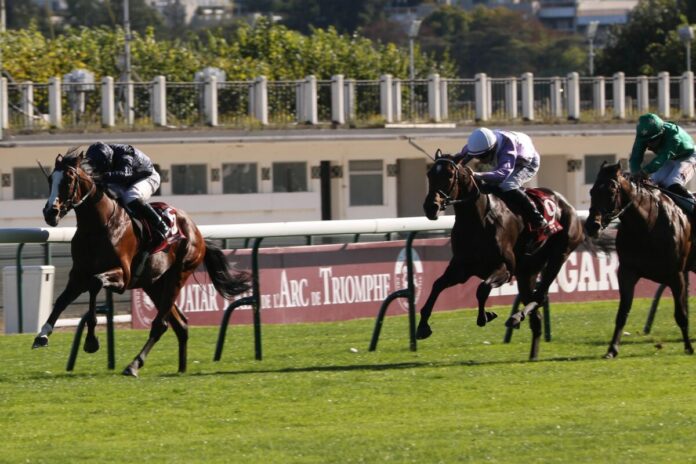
(210, 101)
(482, 94)
(573, 96)
(663, 94)
(108, 109)
(434, 97)
(385, 97)
(556, 92)
(55, 107)
(159, 101)
(599, 96)
(129, 110)
(259, 90)
(686, 94)
(338, 115)
(643, 92)
(444, 100)
(310, 100)
(349, 94)
(28, 103)
(511, 97)
(528, 96)
(396, 100)
(619, 95)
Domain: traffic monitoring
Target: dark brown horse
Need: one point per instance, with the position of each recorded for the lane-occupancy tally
(654, 241)
(104, 248)
(488, 241)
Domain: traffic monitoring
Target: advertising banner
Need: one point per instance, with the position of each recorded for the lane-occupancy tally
(347, 281)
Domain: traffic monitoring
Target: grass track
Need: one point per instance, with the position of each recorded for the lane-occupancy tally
(463, 397)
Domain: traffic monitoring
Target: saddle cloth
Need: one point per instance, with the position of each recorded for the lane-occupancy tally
(547, 206)
(168, 215)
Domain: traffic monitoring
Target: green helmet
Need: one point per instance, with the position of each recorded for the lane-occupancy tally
(649, 127)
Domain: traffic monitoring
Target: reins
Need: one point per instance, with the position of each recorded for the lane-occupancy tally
(457, 177)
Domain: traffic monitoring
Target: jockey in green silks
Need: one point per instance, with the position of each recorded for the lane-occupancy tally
(675, 157)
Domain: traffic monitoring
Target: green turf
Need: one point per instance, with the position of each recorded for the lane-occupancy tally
(464, 396)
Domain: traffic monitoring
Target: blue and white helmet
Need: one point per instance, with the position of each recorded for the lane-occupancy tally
(481, 141)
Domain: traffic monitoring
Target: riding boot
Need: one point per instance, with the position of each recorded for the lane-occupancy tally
(520, 204)
(684, 198)
(145, 212)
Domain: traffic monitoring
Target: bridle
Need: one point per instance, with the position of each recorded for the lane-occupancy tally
(606, 217)
(74, 191)
(448, 199)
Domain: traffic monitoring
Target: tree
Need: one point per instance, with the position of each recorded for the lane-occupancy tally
(648, 42)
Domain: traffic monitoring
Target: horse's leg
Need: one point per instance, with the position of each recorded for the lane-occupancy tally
(498, 278)
(535, 325)
(526, 280)
(446, 280)
(180, 327)
(159, 326)
(627, 282)
(680, 293)
(72, 290)
(111, 279)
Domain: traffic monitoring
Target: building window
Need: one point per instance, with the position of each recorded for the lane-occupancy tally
(290, 177)
(29, 184)
(189, 179)
(239, 178)
(593, 163)
(366, 183)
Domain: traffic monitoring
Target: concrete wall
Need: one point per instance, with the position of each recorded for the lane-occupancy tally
(216, 208)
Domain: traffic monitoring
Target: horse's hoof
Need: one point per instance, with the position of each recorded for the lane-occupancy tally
(40, 342)
(689, 350)
(490, 316)
(481, 321)
(423, 332)
(514, 321)
(130, 371)
(610, 355)
(91, 345)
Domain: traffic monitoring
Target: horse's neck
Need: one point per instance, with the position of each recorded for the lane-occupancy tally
(643, 208)
(96, 212)
(474, 211)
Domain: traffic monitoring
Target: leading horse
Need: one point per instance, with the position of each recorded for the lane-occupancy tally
(655, 240)
(104, 251)
(488, 241)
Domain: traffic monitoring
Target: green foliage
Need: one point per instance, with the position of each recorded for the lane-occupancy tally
(649, 42)
(500, 42)
(464, 396)
(263, 49)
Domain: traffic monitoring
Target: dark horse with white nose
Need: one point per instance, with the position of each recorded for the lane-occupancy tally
(104, 248)
(654, 241)
(488, 241)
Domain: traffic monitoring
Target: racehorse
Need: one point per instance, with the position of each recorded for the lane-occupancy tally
(105, 250)
(654, 240)
(488, 241)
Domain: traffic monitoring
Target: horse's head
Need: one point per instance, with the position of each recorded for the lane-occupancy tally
(70, 186)
(448, 183)
(605, 198)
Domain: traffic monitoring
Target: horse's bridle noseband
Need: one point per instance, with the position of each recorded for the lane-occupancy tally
(607, 217)
(455, 184)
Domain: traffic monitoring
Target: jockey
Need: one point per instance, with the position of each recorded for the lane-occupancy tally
(675, 157)
(515, 161)
(129, 173)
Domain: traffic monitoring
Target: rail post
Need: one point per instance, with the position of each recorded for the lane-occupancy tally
(20, 303)
(254, 300)
(408, 293)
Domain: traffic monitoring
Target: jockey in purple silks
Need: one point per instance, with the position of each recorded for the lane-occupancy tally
(130, 174)
(515, 162)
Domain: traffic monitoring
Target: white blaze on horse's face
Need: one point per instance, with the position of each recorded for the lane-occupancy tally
(56, 179)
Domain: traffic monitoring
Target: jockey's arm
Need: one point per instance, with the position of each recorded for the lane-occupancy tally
(636, 159)
(671, 148)
(506, 164)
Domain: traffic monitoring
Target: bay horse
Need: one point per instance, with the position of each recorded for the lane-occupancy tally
(104, 251)
(488, 241)
(654, 241)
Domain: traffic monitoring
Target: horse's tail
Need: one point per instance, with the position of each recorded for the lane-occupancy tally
(227, 283)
